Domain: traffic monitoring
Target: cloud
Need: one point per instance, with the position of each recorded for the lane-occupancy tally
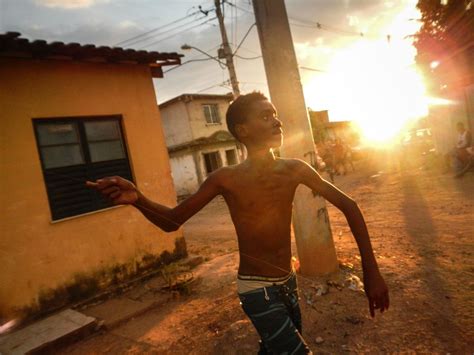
(128, 24)
(69, 4)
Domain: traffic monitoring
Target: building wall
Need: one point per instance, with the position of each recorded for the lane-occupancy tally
(176, 124)
(39, 257)
(189, 168)
(183, 169)
(220, 148)
(197, 120)
(184, 122)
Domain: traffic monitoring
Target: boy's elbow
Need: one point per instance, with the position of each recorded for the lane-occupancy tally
(173, 223)
(350, 206)
(171, 228)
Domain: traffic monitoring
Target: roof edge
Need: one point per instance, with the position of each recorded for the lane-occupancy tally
(13, 46)
(190, 97)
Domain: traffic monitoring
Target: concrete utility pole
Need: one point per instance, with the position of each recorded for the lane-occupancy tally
(310, 217)
(227, 50)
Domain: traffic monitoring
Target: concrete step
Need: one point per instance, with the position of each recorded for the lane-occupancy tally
(44, 335)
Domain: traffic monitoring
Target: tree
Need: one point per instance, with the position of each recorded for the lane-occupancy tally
(445, 42)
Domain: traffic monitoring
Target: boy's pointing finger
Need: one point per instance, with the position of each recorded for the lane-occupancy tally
(91, 184)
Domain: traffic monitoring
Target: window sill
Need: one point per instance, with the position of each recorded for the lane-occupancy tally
(86, 214)
(214, 124)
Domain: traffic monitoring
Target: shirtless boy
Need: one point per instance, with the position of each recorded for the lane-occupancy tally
(259, 193)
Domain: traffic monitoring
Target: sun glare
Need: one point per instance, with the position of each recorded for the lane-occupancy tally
(374, 83)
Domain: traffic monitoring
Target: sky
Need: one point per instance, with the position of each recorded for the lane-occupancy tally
(352, 69)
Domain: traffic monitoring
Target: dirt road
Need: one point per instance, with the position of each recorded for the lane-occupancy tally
(421, 225)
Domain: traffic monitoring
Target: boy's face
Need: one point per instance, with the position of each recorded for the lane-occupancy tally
(262, 127)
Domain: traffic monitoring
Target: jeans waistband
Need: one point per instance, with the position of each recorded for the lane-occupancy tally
(288, 286)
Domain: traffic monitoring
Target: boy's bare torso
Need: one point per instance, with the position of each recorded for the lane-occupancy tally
(260, 200)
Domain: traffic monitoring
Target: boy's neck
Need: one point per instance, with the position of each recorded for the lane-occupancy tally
(262, 156)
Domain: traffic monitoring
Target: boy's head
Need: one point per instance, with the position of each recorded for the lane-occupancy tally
(460, 127)
(240, 109)
(251, 118)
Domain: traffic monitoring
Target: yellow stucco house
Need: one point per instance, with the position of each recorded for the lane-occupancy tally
(71, 113)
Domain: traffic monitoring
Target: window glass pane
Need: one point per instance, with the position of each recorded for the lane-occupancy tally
(66, 155)
(211, 112)
(102, 151)
(215, 162)
(212, 161)
(215, 114)
(102, 130)
(57, 133)
(207, 113)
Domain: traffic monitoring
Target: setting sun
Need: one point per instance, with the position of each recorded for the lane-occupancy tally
(374, 83)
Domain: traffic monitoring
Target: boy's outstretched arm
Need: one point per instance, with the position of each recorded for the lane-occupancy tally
(123, 192)
(374, 284)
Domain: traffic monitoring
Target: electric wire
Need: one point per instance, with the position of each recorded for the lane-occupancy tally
(247, 58)
(155, 29)
(140, 40)
(193, 59)
(175, 34)
(244, 38)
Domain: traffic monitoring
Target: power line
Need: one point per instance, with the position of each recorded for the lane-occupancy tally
(247, 58)
(309, 24)
(216, 85)
(248, 50)
(320, 26)
(192, 59)
(175, 34)
(156, 29)
(313, 69)
(186, 62)
(241, 9)
(243, 39)
(167, 31)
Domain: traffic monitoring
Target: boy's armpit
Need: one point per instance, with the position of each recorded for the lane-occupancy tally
(311, 178)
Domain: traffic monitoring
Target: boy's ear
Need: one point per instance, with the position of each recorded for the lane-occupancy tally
(241, 130)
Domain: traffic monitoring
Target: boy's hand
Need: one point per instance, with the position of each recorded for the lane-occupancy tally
(117, 189)
(377, 292)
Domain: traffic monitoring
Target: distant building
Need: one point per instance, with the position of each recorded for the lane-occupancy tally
(197, 138)
(323, 129)
(71, 113)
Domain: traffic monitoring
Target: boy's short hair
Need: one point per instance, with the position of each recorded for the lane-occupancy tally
(239, 109)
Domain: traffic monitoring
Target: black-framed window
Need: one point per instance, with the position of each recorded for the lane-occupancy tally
(212, 161)
(76, 149)
(211, 113)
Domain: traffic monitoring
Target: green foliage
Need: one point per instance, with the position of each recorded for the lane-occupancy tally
(447, 36)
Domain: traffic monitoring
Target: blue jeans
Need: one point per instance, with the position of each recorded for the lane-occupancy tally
(276, 315)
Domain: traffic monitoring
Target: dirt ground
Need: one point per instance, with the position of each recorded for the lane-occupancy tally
(421, 225)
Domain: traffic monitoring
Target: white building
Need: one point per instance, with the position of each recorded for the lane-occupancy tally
(197, 138)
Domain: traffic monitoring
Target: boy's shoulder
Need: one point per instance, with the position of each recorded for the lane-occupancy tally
(292, 163)
(224, 173)
(232, 170)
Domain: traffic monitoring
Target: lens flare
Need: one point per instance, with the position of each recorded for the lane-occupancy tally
(374, 83)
